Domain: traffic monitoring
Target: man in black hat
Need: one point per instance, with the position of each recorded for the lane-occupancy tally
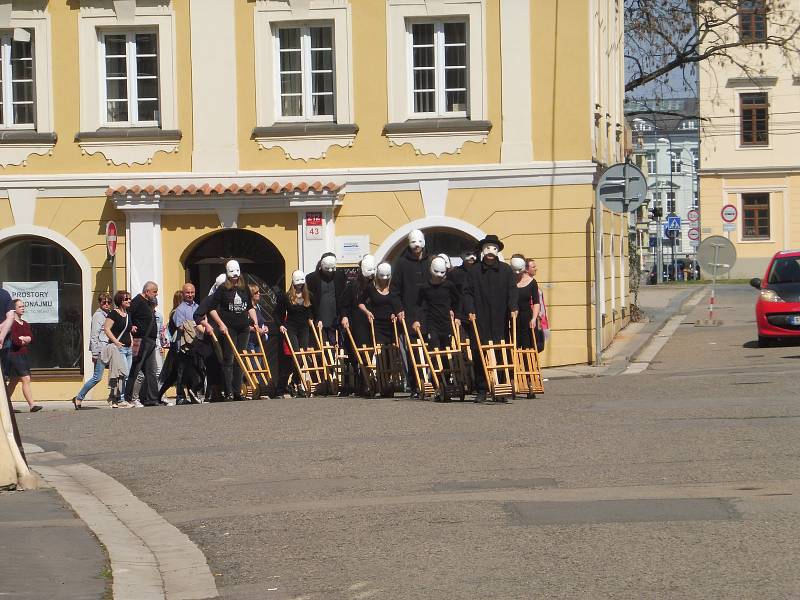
(490, 296)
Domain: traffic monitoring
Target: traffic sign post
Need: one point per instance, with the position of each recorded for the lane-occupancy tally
(111, 247)
(693, 215)
(729, 213)
(718, 254)
(693, 234)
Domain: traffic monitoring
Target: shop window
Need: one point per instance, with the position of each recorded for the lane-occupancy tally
(48, 280)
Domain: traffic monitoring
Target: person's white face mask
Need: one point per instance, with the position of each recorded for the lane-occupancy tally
(446, 260)
(517, 265)
(368, 266)
(328, 264)
(416, 240)
(384, 271)
(490, 250)
(232, 269)
(298, 278)
(438, 267)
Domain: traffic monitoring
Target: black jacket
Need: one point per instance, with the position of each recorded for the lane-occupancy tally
(491, 293)
(314, 284)
(409, 275)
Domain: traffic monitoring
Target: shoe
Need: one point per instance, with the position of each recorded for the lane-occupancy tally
(286, 396)
(238, 398)
(137, 404)
(480, 398)
(36, 408)
(121, 404)
(166, 403)
(181, 402)
(76, 403)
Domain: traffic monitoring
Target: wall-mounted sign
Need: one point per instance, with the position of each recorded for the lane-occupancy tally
(313, 226)
(351, 248)
(40, 298)
(111, 238)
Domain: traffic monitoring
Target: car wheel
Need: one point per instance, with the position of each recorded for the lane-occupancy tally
(764, 342)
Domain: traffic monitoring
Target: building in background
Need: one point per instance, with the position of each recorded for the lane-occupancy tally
(668, 131)
(750, 139)
(272, 131)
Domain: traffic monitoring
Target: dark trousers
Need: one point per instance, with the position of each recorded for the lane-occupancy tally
(231, 370)
(144, 361)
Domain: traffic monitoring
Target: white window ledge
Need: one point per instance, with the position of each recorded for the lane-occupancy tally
(16, 146)
(437, 136)
(307, 140)
(128, 146)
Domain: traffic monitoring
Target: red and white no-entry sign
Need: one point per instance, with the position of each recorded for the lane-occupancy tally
(693, 234)
(729, 213)
(111, 238)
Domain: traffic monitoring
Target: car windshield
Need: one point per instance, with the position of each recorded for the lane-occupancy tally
(785, 270)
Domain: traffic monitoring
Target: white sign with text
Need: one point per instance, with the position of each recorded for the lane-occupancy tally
(40, 298)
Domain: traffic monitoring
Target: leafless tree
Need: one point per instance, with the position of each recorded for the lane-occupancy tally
(666, 39)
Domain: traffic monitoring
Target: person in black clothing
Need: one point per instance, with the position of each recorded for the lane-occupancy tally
(205, 356)
(353, 318)
(294, 313)
(232, 311)
(438, 303)
(490, 298)
(382, 305)
(528, 302)
(143, 320)
(280, 365)
(326, 287)
(410, 273)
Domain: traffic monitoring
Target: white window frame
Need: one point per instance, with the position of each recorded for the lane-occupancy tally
(101, 18)
(132, 78)
(305, 68)
(6, 39)
(440, 90)
(399, 14)
(272, 14)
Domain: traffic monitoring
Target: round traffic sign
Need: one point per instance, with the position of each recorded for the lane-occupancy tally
(729, 213)
(716, 253)
(622, 188)
(693, 215)
(693, 234)
(111, 238)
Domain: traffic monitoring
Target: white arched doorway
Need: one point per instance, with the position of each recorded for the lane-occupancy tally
(34, 231)
(447, 225)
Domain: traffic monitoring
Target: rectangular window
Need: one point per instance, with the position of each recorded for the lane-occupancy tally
(752, 21)
(671, 202)
(755, 213)
(17, 82)
(439, 74)
(754, 119)
(651, 163)
(305, 72)
(675, 162)
(130, 78)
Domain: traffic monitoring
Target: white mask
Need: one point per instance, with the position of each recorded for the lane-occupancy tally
(232, 269)
(298, 278)
(439, 267)
(490, 250)
(469, 256)
(368, 266)
(446, 260)
(517, 264)
(384, 271)
(416, 240)
(328, 264)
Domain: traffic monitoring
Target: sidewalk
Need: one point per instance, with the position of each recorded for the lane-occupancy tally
(46, 551)
(659, 303)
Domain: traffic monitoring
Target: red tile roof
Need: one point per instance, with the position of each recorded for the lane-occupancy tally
(207, 189)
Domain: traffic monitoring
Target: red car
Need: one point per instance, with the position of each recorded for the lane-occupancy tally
(778, 305)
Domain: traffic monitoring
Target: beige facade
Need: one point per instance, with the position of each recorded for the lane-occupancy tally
(747, 164)
(515, 154)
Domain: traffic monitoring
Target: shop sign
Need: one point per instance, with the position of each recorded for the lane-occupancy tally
(313, 225)
(40, 298)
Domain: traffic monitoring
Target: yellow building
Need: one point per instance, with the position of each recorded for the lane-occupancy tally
(274, 130)
(748, 139)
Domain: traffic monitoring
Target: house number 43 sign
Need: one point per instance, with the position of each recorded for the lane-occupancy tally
(313, 225)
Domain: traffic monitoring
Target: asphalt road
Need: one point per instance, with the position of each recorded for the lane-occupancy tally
(679, 482)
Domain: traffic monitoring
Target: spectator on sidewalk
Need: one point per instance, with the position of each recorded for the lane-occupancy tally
(179, 360)
(97, 339)
(18, 368)
(144, 345)
(117, 328)
(6, 319)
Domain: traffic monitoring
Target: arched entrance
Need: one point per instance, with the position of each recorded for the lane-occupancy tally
(437, 240)
(261, 262)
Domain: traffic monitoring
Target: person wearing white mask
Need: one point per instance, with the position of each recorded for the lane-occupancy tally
(353, 318)
(381, 304)
(326, 287)
(295, 315)
(527, 301)
(231, 310)
(438, 303)
(490, 298)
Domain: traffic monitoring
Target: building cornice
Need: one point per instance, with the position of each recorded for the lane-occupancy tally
(759, 170)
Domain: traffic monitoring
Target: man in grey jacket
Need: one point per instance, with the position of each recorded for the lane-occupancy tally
(97, 339)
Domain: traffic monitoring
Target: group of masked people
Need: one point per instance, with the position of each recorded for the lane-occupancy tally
(428, 292)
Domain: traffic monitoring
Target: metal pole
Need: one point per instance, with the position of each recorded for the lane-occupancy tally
(114, 275)
(659, 246)
(713, 284)
(598, 284)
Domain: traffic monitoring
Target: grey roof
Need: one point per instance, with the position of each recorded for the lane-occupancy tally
(665, 113)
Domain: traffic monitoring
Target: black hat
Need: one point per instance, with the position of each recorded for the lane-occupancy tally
(491, 239)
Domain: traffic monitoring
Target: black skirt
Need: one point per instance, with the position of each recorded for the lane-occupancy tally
(18, 365)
